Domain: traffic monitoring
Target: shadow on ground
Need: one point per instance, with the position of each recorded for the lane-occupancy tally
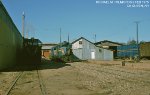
(45, 64)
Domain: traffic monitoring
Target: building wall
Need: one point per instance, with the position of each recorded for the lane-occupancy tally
(107, 55)
(78, 53)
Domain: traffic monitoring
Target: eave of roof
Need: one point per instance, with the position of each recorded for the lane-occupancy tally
(80, 39)
(100, 42)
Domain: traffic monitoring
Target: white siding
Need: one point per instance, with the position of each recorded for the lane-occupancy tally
(78, 53)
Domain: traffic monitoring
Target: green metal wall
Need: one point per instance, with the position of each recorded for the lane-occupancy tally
(11, 40)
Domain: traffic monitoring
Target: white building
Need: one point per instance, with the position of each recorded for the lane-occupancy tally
(86, 50)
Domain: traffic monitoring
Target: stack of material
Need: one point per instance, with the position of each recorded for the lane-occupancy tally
(145, 50)
(127, 51)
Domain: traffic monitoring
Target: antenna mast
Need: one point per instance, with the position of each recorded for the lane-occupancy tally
(68, 37)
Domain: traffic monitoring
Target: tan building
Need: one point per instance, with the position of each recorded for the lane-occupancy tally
(109, 45)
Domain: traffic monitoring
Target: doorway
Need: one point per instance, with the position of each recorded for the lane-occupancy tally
(92, 55)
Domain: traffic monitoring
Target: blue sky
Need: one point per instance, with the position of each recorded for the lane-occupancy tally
(85, 18)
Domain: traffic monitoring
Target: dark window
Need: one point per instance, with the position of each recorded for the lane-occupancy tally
(100, 50)
(80, 42)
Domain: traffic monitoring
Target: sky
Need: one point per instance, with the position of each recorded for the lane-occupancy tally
(81, 18)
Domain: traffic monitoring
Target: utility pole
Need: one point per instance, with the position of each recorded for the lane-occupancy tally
(95, 38)
(23, 21)
(27, 33)
(68, 37)
(137, 30)
(137, 36)
(60, 35)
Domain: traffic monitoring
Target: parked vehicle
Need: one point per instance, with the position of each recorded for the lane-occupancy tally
(31, 51)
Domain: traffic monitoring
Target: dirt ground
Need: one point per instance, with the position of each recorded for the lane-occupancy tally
(85, 78)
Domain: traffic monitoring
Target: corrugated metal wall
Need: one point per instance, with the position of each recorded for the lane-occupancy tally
(108, 55)
(11, 41)
(78, 53)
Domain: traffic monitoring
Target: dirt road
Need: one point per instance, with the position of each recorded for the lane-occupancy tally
(94, 78)
(98, 78)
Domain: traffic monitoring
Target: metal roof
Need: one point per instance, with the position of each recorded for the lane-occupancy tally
(49, 44)
(47, 47)
(108, 43)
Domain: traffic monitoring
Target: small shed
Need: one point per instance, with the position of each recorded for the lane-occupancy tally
(86, 50)
(46, 49)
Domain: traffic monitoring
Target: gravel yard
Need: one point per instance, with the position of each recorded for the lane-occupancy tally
(85, 78)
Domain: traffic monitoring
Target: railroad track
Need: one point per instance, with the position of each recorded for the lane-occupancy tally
(125, 77)
(119, 74)
(42, 86)
(18, 77)
(13, 83)
(122, 71)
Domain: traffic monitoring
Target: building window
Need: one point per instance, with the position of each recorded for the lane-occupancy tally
(80, 42)
(100, 50)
